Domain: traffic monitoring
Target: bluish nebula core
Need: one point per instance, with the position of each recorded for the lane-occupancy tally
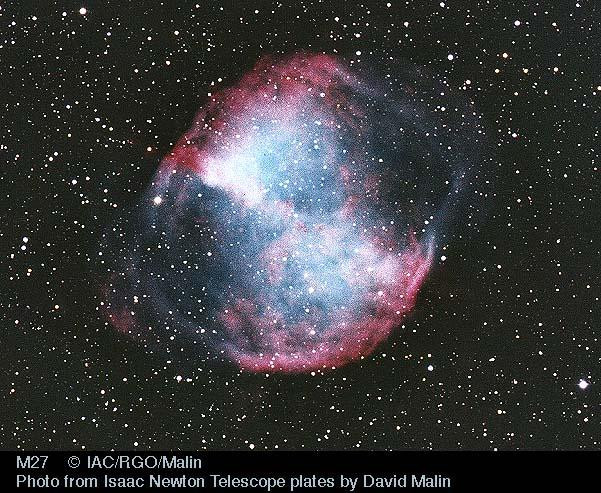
(292, 226)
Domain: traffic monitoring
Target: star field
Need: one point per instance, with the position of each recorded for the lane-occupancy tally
(501, 350)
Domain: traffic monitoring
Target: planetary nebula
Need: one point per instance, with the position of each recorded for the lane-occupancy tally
(292, 226)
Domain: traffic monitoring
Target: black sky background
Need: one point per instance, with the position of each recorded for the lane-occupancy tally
(508, 345)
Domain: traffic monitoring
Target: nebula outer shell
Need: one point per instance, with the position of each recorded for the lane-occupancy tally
(293, 225)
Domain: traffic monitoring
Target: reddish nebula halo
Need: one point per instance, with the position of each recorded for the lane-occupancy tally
(303, 207)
